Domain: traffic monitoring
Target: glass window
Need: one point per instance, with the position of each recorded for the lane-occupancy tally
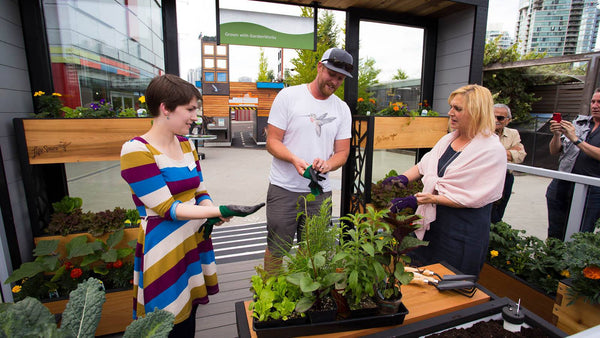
(209, 63)
(222, 63)
(209, 76)
(221, 50)
(221, 77)
(209, 50)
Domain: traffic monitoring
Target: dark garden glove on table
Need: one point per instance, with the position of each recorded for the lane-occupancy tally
(314, 177)
(400, 203)
(229, 211)
(396, 179)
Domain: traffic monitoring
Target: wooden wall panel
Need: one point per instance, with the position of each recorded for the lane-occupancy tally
(215, 105)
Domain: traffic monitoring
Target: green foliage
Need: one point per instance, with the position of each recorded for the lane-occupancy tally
(274, 297)
(67, 205)
(51, 274)
(30, 318)
(312, 267)
(540, 263)
(583, 259)
(508, 85)
(366, 106)
(400, 75)
(96, 223)
(262, 67)
(128, 112)
(367, 77)
(395, 109)
(47, 105)
(382, 194)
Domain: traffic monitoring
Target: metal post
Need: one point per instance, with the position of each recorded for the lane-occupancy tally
(577, 210)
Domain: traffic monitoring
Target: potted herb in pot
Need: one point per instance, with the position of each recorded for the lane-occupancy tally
(359, 246)
(274, 301)
(312, 267)
(393, 257)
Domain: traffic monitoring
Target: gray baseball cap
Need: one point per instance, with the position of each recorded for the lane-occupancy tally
(338, 60)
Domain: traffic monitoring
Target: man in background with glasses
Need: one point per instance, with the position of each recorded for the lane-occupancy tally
(515, 153)
(308, 134)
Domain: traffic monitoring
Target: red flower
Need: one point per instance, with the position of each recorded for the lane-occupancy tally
(131, 281)
(68, 265)
(76, 273)
(109, 265)
(118, 264)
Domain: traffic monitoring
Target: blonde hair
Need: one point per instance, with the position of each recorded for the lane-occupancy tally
(480, 106)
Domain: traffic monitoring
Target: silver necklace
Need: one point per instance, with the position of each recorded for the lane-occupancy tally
(458, 152)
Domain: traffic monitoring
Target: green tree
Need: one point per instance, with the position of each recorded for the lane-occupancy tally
(305, 64)
(263, 75)
(367, 76)
(508, 85)
(400, 75)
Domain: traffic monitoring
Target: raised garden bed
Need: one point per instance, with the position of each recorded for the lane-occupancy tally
(466, 317)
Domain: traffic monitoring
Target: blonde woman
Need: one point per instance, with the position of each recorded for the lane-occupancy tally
(462, 175)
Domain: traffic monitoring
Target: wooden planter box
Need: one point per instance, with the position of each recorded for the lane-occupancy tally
(78, 140)
(128, 235)
(576, 317)
(117, 311)
(508, 285)
(405, 132)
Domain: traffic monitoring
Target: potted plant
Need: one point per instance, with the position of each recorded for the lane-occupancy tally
(312, 267)
(382, 194)
(578, 297)
(366, 106)
(274, 301)
(51, 276)
(29, 317)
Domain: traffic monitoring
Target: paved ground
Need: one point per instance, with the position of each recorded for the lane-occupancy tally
(240, 176)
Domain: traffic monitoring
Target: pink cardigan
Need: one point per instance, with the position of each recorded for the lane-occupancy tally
(474, 179)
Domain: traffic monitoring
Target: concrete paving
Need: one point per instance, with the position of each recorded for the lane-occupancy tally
(240, 176)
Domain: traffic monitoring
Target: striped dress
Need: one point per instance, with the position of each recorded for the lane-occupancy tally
(174, 267)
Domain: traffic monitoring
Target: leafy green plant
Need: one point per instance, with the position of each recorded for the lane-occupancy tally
(394, 109)
(312, 267)
(50, 274)
(67, 205)
(274, 298)
(382, 194)
(541, 263)
(47, 105)
(96, 223)
(30, 318)
(366, 106)
(583, 259)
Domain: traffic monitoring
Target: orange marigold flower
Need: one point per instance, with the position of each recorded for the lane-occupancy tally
(591, 272)
(372, 100)
(38, 93)
(56, 94)
(118, 264)
(396, 108)
(565, 273)
(68, 265)
(76, 273)
(360, 99)
(494, 253)
(142, 99)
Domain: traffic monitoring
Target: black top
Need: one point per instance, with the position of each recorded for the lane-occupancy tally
(584, 164)
(447, 157)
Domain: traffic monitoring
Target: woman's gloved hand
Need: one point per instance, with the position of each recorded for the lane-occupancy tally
(403, 202)
(228, 211)
(396, 179)
(314, 177)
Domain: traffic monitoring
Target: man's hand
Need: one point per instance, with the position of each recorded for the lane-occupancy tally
(556, 128)
(314, 177)
(568, 129)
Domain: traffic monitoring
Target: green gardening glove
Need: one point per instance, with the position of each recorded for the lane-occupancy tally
(229, 211)
(314, 177)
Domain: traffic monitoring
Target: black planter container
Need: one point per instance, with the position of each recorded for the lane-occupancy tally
(475, 313)
(278, 322)
(386, 306)
(325, 315)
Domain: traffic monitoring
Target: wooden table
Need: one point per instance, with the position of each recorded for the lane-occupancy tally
(422, 302)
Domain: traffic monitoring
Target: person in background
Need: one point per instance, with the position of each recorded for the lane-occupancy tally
(308, 134)
(515, 153)
(174, 264)
(462, 176)
(578, 144)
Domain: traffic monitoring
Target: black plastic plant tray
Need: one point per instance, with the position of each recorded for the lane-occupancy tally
(334, 326)
(460, 317)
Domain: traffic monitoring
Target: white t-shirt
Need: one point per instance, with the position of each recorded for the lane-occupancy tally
(311, 127)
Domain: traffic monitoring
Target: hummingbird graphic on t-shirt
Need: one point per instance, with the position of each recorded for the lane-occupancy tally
(319, 121)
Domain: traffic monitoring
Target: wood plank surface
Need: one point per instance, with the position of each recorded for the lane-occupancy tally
(422, 302)
(407, 132)
(576, 317)
(80, 140)
(215, 105)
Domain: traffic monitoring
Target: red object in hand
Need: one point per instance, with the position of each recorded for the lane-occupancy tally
(557, 117)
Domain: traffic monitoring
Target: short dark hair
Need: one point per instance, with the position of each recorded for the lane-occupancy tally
(171, 90)
(597, 90)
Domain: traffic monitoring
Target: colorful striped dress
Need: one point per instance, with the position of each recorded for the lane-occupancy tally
(174, 267)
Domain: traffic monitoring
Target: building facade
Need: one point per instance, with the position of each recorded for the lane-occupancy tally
(557, 27)
(504, 40)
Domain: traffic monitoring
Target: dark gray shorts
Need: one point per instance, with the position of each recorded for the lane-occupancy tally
(282, 209)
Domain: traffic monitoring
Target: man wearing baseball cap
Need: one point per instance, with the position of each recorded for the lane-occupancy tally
(308, 134)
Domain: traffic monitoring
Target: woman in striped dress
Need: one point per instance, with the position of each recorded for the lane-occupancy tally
(174, 266)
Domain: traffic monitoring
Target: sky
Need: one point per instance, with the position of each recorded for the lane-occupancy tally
(403, 50)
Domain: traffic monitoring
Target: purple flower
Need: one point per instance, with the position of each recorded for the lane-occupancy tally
(94, 106)
(102, 101)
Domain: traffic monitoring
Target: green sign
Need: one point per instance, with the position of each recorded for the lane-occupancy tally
(266, 30)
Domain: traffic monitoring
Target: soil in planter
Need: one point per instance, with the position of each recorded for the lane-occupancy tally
(491, 328)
